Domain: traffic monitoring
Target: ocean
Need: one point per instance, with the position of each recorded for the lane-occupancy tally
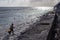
(21, 17)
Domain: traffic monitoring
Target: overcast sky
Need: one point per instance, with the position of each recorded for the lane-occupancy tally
(45, 3)
(14, 2)
(28, 2)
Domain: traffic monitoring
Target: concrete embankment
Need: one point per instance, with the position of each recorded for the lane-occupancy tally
(38, 30)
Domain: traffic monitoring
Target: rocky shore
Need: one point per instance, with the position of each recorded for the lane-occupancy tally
(38, 30)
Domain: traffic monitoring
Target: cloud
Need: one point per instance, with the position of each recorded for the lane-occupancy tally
(44, 3)
(32, 3)
(14, 2)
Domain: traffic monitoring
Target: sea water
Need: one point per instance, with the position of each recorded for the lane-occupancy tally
(21, 17)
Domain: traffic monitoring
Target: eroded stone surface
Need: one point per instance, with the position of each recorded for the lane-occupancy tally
(38, 31)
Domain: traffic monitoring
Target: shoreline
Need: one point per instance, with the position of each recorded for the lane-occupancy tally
(34, 29)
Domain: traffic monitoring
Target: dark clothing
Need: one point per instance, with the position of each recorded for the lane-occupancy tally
(11, 29)
(9, 32)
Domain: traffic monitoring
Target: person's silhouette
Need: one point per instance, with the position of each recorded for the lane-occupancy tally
(11, 29)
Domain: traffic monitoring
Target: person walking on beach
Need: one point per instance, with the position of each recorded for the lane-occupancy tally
(11, 29)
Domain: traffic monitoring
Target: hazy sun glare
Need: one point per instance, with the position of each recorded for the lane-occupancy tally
(45, 8)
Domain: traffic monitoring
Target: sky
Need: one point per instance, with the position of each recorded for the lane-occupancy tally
(14, 2)
(28, 3)
(44, 3)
